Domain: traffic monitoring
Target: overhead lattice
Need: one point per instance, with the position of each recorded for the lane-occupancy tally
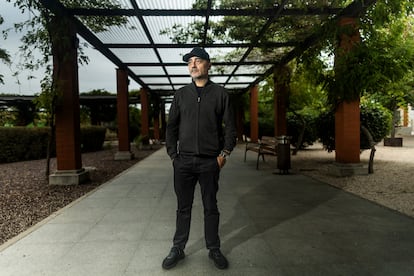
(153, 57)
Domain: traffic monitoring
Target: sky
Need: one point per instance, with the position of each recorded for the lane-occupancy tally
(100, 73)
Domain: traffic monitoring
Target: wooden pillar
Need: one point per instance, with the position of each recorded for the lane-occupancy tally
(254, 113)
(281, 77)
(157, 119)
(65, 75)
(239, 123)
(347, 114)
(144, 113)
(122, 104)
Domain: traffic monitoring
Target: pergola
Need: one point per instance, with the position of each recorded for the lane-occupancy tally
(147, 50)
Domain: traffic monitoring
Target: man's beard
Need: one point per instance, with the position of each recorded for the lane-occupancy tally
(198, 76)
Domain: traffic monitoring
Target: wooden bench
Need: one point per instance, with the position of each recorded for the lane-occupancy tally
(267, 145)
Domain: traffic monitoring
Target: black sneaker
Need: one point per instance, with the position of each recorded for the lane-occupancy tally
(219, 260)
(173, 257)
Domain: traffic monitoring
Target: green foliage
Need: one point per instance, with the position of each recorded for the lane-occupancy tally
(17, 112)
(4, 56)
(141, 140)
(92, 138)
(377, 119)
(7, 118)
(307, 95)
(38, 29)
(373, 116)
(307, 100)
(25, 113)
(297, 123)
(47, 99)
(21, 143)
(394, 58)
(266, 104)
(41, 32)
(325, 127)
(383, 58)
(134, 123)
(97, 92)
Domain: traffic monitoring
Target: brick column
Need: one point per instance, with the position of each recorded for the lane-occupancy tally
(156, 111)
(144, 113)
(124, 148)
(347, 132)
(347, 114)
(254, 113)
(281, 77)
(157, 125)
(65, 75)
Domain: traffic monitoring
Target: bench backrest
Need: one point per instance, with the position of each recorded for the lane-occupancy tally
(268, 140)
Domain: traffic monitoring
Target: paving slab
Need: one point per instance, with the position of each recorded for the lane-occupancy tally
(271, 224)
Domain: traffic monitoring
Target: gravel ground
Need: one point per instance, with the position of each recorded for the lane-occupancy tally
(26, 198)
(391, 184)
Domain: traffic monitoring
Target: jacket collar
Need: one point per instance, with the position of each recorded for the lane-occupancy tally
(207, 84)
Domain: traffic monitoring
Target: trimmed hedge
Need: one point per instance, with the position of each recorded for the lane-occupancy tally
(92, 138)
(21, 143)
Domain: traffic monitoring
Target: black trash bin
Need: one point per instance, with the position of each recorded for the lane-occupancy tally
(283, 154)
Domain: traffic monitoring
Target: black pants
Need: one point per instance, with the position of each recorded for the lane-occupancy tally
(188, 170)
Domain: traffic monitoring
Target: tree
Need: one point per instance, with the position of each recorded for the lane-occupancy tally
(4, 56)
(391, 48)
(46, 36)
(380, 66)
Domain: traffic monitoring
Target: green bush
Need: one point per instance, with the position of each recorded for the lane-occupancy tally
(374, 117)
(325, 127)
(92, 138)
(377, 119)
(21, 143)
(295, 124)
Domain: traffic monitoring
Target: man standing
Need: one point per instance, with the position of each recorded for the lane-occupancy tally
(200, 135)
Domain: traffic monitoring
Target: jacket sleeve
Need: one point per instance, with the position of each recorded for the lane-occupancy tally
(172, 129)
(230, 134)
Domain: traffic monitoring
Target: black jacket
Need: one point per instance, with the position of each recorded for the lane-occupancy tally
(201, 125)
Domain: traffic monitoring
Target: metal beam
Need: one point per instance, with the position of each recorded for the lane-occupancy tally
(57, 8)
(203, 12)
(218, 63)
(206, 45)
(211, 75)
(352, 10)
(276, 13)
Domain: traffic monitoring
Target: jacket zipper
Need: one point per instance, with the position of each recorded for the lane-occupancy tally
(197, 121)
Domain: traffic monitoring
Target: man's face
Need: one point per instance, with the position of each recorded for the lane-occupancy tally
(198, 67)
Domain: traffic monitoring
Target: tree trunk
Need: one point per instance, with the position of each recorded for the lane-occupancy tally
(394, 122)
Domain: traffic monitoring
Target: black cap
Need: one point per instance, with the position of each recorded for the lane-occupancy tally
(196, 52)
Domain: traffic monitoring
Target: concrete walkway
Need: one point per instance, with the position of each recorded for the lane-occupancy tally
(270, 225)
